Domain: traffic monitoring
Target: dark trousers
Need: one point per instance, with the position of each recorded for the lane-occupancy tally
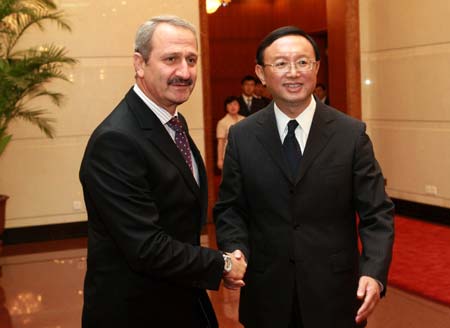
(204, 312)
(296, 317)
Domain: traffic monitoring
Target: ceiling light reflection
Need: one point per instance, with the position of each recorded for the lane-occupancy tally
(26, 303)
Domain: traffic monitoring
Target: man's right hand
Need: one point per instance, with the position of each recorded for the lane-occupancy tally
(234, 278)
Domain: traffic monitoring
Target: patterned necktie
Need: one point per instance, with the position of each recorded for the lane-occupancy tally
(181, 140)
(291, 147)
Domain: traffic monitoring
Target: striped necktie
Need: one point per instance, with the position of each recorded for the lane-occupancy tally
(181, 140)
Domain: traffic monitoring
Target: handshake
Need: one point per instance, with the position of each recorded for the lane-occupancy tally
(234, 278)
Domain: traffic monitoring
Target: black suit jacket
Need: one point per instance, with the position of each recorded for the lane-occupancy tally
(300, 231)
(145, 267)
(256, 105)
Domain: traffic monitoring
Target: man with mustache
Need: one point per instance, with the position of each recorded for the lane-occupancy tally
(144, 185)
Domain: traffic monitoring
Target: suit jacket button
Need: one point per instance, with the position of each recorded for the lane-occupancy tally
(297, 227)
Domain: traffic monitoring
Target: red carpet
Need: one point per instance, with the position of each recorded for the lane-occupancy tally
(421, 261)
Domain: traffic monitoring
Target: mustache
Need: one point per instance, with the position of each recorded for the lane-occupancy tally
(179, 81)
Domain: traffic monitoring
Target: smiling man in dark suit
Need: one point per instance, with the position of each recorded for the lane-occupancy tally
(295, 175)
(144, 185)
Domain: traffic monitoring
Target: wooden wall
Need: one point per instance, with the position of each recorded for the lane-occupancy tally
(235, 31)
(309, 15)
(234, 34)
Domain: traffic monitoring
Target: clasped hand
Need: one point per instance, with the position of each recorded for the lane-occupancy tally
(234, 278)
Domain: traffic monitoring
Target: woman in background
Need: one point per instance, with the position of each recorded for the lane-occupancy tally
(231, 117)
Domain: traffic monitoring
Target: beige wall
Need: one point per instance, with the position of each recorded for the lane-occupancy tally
(405, 47)
(41, 175)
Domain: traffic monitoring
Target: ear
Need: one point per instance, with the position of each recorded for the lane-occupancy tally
(139, 63)
(259, 70)
(317, 66)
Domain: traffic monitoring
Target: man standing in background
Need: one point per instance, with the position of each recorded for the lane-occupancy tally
(321, 93)
(248, 103)
(262, 93)
(144, 185)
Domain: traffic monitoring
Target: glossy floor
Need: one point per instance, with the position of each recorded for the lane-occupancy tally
(41, 287)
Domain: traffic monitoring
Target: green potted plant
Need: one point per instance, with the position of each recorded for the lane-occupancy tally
(25, 73)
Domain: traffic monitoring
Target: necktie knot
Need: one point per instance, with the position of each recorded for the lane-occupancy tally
(176, 124)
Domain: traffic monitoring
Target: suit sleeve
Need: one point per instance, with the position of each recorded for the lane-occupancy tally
(114, 177)
(375, 209)
(230, 212)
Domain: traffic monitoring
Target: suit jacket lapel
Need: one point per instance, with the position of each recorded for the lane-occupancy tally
(267, 133)
(319, 135)
(203, 181)
(160, 138)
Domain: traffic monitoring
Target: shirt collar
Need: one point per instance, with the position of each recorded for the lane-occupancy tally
(163, 115)
(304, 119)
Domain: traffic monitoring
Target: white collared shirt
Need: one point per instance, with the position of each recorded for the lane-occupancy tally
(164, 116)
(304, 120)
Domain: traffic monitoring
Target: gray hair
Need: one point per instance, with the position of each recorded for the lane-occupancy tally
(143, 44)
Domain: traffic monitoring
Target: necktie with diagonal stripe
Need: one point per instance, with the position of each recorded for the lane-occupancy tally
(181, 140)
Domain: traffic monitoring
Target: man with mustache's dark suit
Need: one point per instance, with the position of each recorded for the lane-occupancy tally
(144, 185)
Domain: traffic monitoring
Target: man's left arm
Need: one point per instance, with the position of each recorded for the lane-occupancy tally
(376, 225)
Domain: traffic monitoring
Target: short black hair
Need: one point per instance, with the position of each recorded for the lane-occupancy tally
(229, 100)
(248, 78)
(279, 33)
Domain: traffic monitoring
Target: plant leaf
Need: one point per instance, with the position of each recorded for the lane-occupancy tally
(25, 73)
(4, 140)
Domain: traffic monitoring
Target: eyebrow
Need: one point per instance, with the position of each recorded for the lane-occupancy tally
(290, 55)
(175, 54)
